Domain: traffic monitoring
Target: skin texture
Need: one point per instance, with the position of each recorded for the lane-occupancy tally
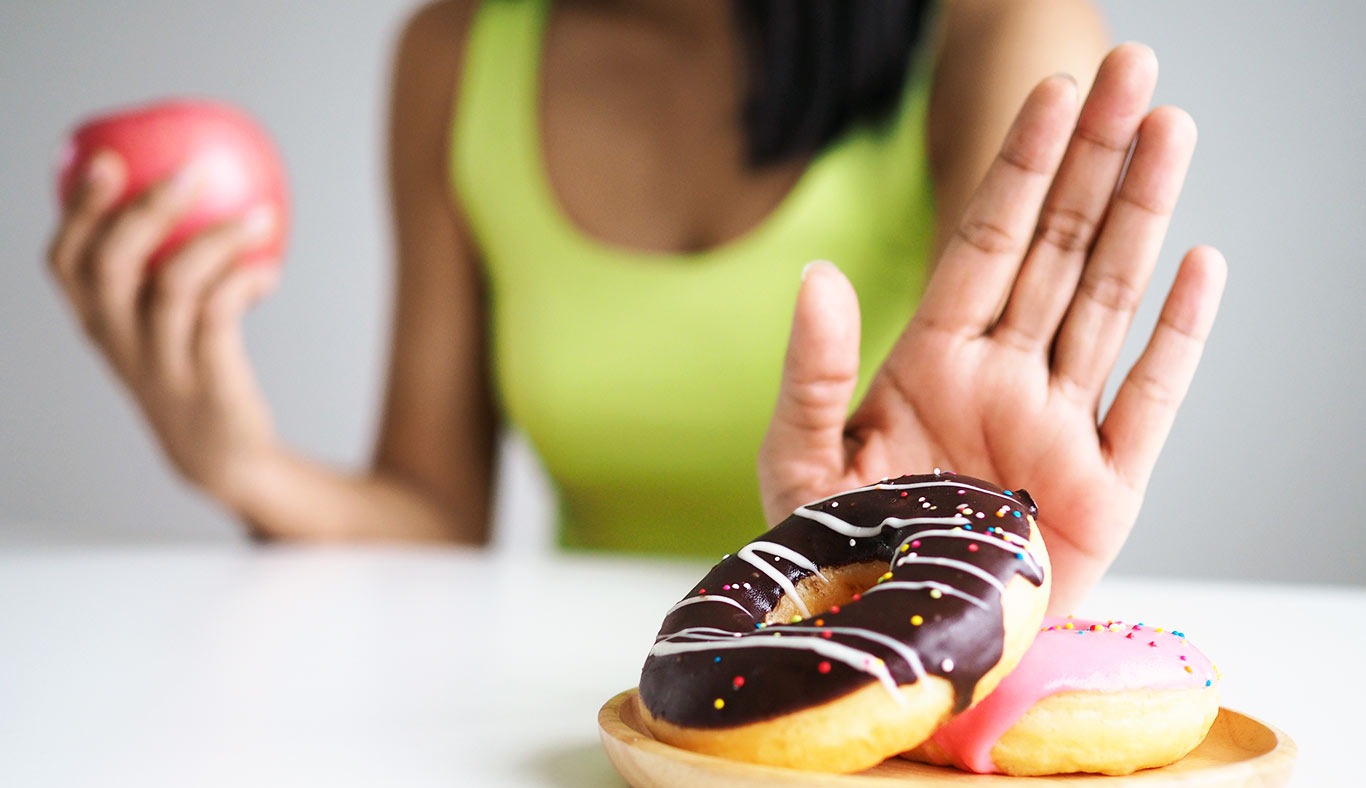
(665, 126)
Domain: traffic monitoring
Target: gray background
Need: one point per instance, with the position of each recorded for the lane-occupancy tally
(1266, 447)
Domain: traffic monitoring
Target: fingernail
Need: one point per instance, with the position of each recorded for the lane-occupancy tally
(806, 269)
(103, 168)
(100, 170)
(185, 180)
(1067, 77)
(258, 221)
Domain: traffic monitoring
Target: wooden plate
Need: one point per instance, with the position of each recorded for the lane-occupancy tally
(1238, 751)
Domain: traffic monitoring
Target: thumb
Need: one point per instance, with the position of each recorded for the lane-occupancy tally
(805, 440)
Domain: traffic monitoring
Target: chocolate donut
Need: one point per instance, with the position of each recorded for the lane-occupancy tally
(848, 632)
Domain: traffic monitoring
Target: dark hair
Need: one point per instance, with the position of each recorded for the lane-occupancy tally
(816, 67)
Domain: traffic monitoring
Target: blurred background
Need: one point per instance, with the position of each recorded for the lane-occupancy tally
(1264, 451)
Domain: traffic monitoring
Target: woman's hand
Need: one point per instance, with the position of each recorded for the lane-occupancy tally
(1000, 372)
(172, 336)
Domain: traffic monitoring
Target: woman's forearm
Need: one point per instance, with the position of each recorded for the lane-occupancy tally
(288, 496)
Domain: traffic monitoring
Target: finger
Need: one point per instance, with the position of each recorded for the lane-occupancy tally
(115, 268)
(1145, 406)
(1117, 273)
(178, 288)
(1076, 203)
(820, 373)
(979, 263)
(94, 194)
(220, 356)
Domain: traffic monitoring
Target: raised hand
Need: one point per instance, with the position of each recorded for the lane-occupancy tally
(172, 336)
(1000, 372)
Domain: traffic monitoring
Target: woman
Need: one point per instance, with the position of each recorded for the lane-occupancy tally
(603, 210)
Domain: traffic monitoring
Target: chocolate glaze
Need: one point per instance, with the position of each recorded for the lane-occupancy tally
(711, 666)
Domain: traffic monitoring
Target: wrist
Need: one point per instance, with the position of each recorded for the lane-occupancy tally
(245, 481)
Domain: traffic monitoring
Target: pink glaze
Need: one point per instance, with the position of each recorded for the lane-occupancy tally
(1105, 656)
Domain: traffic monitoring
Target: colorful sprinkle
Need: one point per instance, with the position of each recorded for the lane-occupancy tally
(1068, 625)
(718, 703)
(824, 667)
(1188, 669)
(916, 620)
(718, 659)
(946, 665)
(834, 608)
(1152, 643)
(826, 634)
(856, 597)
(738, 682)
(916, 543)
(820, 622)
(972, 548)
(935, 593)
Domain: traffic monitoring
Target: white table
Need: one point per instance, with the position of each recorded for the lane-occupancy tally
(208, 666)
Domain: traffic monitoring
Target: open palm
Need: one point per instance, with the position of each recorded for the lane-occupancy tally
(1000, 372)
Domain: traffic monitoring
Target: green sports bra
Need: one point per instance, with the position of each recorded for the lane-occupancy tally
(646, 380)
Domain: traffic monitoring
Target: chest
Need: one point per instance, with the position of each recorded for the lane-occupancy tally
(640, 134)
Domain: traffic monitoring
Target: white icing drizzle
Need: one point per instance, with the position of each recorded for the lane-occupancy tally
(857, 659)
(913, 486)
(748, 554)
(697, 631)
(836, 524)
(692, 600)
(904, 651)
(1009, 547)
(954, 564)
(916, 585)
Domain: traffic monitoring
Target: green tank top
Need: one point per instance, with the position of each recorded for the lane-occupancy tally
(646, 380)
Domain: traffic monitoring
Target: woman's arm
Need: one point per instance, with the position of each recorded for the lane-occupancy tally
(173, 336)
(432, 467)
(992, 52)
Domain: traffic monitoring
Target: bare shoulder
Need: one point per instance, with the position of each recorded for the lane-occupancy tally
(1066, 23)
(427, 59)
(991, 53)
(437, 29)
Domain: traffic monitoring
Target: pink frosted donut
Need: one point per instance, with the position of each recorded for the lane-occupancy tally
(1088, 696)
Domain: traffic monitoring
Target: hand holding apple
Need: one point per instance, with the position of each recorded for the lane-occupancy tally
(173, 218)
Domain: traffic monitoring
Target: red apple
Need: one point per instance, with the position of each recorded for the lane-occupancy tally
(241, 168)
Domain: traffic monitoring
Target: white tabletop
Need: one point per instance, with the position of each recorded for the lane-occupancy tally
(210, 666)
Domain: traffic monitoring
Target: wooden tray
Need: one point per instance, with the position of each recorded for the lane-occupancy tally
(1239, 751)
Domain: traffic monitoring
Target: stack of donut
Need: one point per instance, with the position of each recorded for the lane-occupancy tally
(856, 628)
